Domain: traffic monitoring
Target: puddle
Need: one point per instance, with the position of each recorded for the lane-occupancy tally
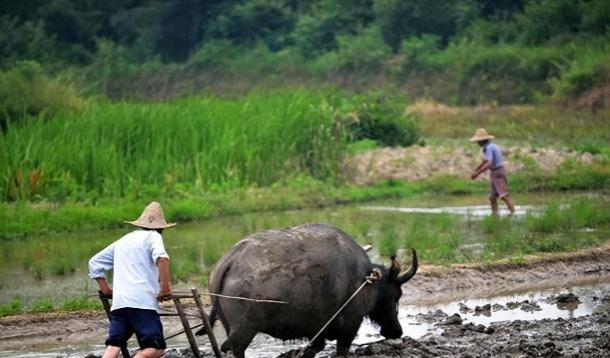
(471, 210)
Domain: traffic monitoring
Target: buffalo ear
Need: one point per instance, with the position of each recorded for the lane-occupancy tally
(394, 269)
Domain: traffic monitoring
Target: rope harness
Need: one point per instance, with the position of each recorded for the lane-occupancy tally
(373, 277)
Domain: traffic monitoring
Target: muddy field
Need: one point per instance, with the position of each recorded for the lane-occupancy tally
(578, 337)
(448, 332)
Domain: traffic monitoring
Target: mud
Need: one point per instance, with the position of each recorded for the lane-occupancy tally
(470, 328)
(586, 336)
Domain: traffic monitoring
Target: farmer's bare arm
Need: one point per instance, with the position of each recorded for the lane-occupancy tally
(485, 165)
(481, 164)
(104, 286)
(166, 289)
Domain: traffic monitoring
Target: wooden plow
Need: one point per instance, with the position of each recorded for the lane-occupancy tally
(181, 313)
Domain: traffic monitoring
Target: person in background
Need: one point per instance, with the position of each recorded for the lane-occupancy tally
(494, 162)
(141, 279)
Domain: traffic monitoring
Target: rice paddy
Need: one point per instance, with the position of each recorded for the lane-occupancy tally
(54, 266)
(146, 149)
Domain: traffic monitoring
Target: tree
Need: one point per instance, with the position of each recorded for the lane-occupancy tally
(400, 19)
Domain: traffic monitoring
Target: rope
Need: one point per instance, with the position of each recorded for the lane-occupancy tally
(242, 298)
(370, 279)
(225, 296)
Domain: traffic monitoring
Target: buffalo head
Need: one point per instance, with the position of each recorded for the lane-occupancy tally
(385, 312)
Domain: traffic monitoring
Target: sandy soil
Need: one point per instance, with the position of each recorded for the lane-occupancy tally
(431, 285)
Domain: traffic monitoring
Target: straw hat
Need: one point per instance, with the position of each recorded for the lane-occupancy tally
(480, 135)
(152, 218)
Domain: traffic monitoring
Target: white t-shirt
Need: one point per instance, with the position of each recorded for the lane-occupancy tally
(136, 277)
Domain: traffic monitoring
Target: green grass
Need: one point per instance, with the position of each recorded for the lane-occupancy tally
(15, 306)
(137, 150)
(23, 219)
(45, 304)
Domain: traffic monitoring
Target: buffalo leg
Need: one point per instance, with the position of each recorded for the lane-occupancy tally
(239, 339)
(345, 342)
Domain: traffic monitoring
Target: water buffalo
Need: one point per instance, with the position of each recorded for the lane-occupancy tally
(313, 267)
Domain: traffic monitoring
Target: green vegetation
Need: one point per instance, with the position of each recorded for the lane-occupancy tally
(15, 306)
(44, 305)
(456, 51)
(564, 224)
(237, 115)
(190, 146)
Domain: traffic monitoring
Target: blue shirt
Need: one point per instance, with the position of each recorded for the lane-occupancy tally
(135, 277)
(493, 153)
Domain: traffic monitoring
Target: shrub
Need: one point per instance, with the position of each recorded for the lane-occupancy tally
(381, 119)
(26, 91)
(585, 68)
(362, 53)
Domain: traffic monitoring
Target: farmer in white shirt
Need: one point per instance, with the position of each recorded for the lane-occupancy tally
(494, 162)
(140, 280)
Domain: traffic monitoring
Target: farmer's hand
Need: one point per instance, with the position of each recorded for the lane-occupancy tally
(104, 286)
(474, 176)
(165, 295)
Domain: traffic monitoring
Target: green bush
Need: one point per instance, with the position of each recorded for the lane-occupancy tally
(363, 53)
(381, 119)
(583, 69)
(26, 91)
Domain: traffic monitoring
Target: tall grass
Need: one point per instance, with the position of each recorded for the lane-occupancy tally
(145, 149)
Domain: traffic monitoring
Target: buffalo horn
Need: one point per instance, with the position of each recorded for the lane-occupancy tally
(407, 275)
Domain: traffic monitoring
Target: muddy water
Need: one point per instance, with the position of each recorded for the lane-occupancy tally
(469, 210)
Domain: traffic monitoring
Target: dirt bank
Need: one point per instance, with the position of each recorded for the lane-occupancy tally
(431, 285)
(415, 162)
(434, 284)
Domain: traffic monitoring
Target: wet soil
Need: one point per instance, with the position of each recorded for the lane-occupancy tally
(572, 336)
(586, 336)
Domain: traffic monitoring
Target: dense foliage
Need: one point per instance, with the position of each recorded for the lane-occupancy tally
(127, 149)
(463, 51)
